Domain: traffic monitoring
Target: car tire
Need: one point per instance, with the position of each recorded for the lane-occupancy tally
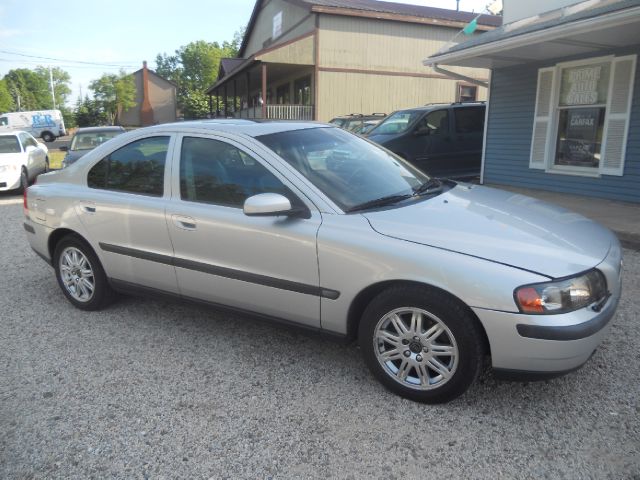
(80, 274)
(48, 137)
(46, 165)
(24, 180)
(421, 343)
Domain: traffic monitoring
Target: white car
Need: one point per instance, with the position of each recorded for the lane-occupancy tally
(22, 159)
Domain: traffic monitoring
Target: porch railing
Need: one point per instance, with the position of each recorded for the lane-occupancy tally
(278, 112)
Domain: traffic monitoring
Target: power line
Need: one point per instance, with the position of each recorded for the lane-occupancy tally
(120, 65)
(61, 65)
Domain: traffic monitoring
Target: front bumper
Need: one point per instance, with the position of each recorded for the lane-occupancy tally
(9, 180)
(544, 345)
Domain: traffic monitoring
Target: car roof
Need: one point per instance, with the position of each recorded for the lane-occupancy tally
(100, 129)
(252, 128)
(431, 106)
(11, 132)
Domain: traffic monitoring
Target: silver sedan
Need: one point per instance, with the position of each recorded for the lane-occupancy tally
(310, 225)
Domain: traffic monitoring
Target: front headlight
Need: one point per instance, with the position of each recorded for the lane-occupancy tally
(561, 296)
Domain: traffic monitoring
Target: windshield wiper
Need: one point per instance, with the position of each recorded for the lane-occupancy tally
(433, 185)
(379, 202)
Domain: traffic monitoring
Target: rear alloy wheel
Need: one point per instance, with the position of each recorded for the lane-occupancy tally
(421, 344)
(80, 274)
(48, 137)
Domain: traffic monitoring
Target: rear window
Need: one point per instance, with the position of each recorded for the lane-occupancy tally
(9, 144)
(90, 140)
(469, 119)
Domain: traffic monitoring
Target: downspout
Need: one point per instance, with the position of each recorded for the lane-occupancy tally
(459, 76)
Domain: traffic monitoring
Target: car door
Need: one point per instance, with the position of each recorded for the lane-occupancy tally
(123, 211)
(262, 264)
(32, 161)
(39, 154)
(433, 131)
(469, 130)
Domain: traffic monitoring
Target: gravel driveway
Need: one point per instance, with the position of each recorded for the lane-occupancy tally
(152, 389)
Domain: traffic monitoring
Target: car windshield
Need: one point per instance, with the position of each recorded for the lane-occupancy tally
(398, 122)
(348, 169)
(90, 140)
(9, 144)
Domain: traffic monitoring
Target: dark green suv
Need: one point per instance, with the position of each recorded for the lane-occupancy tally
(443, 140)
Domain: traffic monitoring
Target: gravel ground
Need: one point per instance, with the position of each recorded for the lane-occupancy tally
(151, 389)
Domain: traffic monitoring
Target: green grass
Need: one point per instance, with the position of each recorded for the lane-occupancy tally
(55, 159)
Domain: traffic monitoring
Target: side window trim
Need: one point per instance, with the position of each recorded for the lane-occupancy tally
(166, 184)
(258, 157)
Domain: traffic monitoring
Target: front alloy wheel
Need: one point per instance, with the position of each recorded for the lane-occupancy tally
(421, 343)
(416, 348)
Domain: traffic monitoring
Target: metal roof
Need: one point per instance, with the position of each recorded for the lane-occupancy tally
(582, 11)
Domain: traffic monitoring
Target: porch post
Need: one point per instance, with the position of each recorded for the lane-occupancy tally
(248, 92)
(264, 90)
(235, 97)
(217, 102)
(226, 114)
(210, 105)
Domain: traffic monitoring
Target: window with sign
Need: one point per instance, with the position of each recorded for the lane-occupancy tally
(582, 116)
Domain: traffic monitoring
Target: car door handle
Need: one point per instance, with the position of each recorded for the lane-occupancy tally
(88, 207)
(184, 222)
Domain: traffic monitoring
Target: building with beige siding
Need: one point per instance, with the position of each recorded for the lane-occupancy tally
(155, 100)
(317, 59)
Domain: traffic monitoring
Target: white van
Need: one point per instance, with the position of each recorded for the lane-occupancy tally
(45, 124)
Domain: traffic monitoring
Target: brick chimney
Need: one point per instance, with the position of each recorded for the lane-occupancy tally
(146, 111)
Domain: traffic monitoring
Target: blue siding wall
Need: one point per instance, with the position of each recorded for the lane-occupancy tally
(510, 123)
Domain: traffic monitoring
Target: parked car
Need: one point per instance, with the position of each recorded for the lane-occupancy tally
(429, 275)
(444, 140)
(22, 159)
(86, 139)
(354, 122)
(45, 124)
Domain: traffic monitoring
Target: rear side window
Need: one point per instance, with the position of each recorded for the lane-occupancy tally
(216, 172)
(135, 168)
(9, 144)
(469, 119)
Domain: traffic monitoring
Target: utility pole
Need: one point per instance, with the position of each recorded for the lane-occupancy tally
(53, 95)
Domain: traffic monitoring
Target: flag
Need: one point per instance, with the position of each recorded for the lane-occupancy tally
(470, 27)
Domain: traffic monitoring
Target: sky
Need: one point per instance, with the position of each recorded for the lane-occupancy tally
(120, 34)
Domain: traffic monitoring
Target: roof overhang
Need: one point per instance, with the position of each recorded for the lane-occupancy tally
(582, 37)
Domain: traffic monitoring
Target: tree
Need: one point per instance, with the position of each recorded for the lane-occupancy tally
(194, 68)
(31, 89)
(61, 80)
(88, 113)
(114, 94)
(6, 100)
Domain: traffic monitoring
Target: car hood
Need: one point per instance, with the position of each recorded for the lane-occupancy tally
(73, 155)
(383, 139)
(500, 226)
(12, 158)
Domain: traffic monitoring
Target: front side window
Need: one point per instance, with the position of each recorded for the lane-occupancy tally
(216, 172)
(348, 169)
(435, 123)
(135, 168)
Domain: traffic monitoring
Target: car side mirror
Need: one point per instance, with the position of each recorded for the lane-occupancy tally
(64, 148)
(270, 204)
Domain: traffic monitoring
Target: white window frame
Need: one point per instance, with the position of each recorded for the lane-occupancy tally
(554, 117)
